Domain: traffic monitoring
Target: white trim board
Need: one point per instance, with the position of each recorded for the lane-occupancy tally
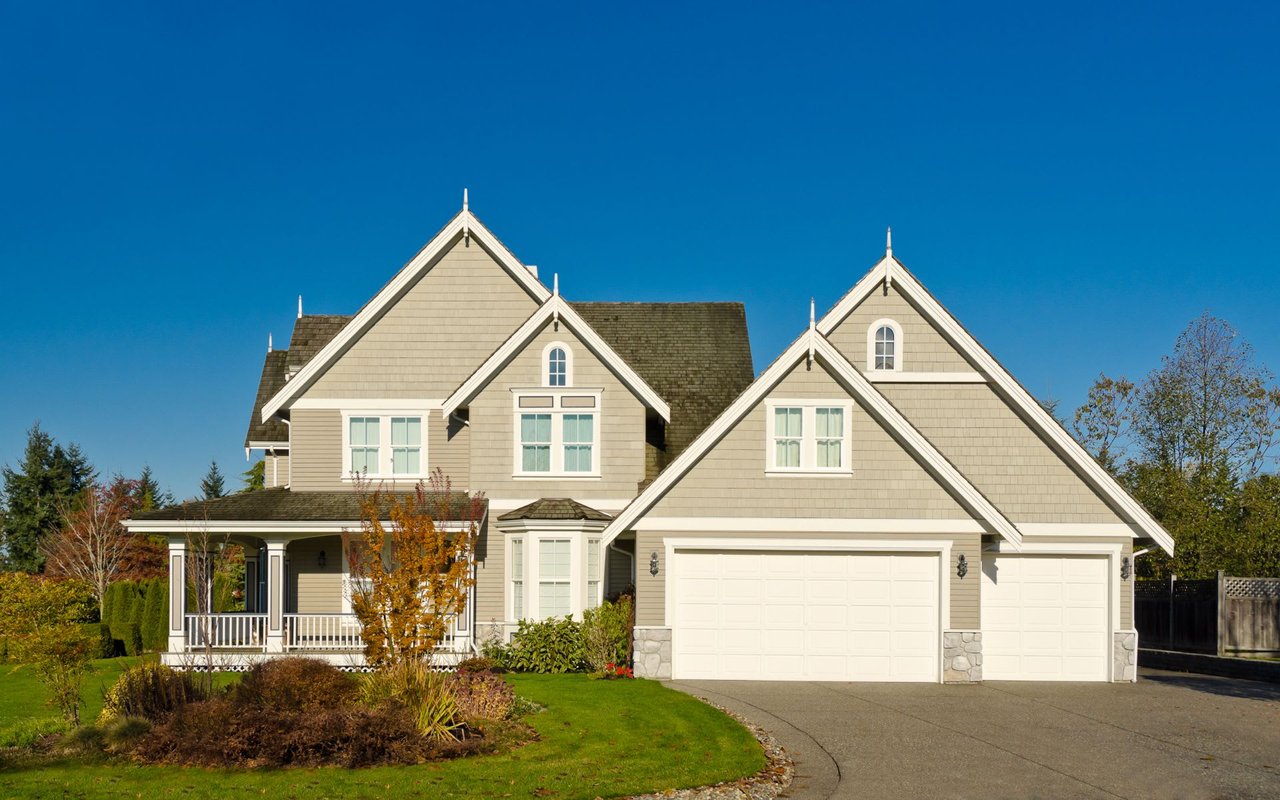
(463, 224)
(322, 528)
(809, 344)
(885, 376)
(805, 525)
(1004, 383)
(553, 308)
(419, 405)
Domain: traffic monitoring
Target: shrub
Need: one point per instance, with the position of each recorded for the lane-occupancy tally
(295, 684)
(413, 685)
(478, 664)
(27, 732)
(606, 634)
(86, 740)
(150, 692)
(123, 734)
(40, 618)
(481, 695)
(550, 646)
(129, 635)
(155, 623)
(103, 645)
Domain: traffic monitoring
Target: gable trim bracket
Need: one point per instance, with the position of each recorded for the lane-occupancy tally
(554, 309)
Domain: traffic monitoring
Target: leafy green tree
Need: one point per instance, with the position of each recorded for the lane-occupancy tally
(214, 483)
(255, 477)
(34, 494)
(40, 619)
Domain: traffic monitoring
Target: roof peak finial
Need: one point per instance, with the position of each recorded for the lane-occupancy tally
(268, 342)
(888, 242)
(812, 331)
(299, 306)
(465, 201)
(555, 284)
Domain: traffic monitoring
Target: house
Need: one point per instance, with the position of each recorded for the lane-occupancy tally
(883, 502)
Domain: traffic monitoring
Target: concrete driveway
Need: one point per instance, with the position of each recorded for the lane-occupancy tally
(1168, 736)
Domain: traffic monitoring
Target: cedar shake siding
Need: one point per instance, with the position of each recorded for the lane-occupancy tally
(922, 348)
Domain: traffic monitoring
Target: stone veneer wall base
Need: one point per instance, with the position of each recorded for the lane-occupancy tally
(652, 652)
(962, 657)
(1124, 656)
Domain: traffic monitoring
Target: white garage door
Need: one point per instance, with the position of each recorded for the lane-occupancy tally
(1045, 618)
(805, 616)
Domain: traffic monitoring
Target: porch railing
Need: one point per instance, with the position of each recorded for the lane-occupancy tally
(322, 632)
(226, 631)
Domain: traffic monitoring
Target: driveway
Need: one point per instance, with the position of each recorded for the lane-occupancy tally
(1168, 736)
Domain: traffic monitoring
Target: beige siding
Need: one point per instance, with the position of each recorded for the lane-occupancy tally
(887, 482)
(998, 452)
(315, 589)
(435, 334)
(491, 571)
(923, 347)
(276, 472)
(1126, 590)
(316, 436)
(621, 419)
(651, 591)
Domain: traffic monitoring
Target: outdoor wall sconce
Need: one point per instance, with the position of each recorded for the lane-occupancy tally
(1126, 568)
(962, 566)
(322, 560)
(653, 563)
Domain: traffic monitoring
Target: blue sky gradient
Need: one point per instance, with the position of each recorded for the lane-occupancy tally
(1074, 186)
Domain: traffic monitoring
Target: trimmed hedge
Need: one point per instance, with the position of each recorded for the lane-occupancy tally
(155, 624)
(104, 642)
(129, 635)
(140, 605)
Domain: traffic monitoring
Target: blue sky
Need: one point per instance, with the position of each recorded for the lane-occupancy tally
(1074, 186)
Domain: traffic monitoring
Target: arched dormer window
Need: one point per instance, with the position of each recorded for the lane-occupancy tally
(884, 346)
(557, 365)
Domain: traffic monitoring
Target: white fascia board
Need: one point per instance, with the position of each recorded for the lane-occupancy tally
(806, 525)
(268, 445)
(500, 505)
(518, 340)
(259, 527)
(466, 222)
(1080, 529)
(876, 376)
(916, 441)
(537, 525)
(344, 403)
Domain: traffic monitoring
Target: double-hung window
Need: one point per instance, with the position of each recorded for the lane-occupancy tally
(553, 578)
(517, 578)
(392, 446)
(364, 440)
(808, 437)
(406, 445)
(535, 442)
(593, 573)
(577, 441)
(557, 433)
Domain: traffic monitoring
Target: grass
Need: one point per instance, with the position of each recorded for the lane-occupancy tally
(596, 738)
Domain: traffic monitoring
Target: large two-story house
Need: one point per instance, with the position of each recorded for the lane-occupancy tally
(883, 502)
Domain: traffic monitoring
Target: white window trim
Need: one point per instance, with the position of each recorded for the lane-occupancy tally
(897, 345)
(511, 576)
(579, 539)
(557, 412)
(568, 365)
(384, 445)
(808, 440)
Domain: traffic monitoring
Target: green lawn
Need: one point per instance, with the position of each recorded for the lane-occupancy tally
(596, 738)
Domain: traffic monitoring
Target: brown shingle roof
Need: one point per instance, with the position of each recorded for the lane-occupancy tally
(311, 332)
(284, 505)
(556, 508)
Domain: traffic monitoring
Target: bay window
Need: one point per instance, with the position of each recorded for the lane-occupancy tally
(554, 573)
(553, 578)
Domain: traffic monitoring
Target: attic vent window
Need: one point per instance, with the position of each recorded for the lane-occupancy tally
(557, 365)
(884, 346)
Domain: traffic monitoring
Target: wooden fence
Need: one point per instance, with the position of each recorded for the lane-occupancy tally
(1225, 615)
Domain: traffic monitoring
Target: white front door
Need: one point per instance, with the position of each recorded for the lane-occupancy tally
(805, 616)
(1045, 618)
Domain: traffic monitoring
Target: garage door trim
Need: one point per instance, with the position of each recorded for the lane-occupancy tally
(942, 548)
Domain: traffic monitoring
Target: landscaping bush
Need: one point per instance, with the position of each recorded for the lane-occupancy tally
(104, 644)
(478, 664)
(606, 635)
(550, 646)
(121, 735)
(149, 691)
(129, 636)
(413, 685)
(295, 684)
(481, 695)
(155, 622)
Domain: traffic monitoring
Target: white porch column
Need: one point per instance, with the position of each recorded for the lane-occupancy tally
(275, 595)
(177, 595)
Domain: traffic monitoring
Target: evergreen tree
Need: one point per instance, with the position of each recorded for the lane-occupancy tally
(255, 477)
(48, 476)
(150, 495)
(214, 484)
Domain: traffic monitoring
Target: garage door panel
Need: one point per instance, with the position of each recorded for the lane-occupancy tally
(806, 616)
(1045, 617)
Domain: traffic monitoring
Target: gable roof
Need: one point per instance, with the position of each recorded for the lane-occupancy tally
(464, 224)
(555, 307)
(809, 345)
(311, 332)
(697, 356)
(889, 268)
(286, 505)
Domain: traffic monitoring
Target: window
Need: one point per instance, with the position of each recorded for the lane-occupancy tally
(364, 445)
(808, 437)
(578, 438)
(593, 573)
(406, 445)
(556, 367)
(517, 579)
(535, 442)
(788, 433)
(553, 578)
(884, 346)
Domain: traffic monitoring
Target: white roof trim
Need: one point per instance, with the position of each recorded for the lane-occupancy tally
(861, 388)
(1066, 446)
(556, 306)
(258, 527)
(465, 221)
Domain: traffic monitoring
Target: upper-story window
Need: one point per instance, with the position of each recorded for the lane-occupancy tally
(557, 365)
(557, 433)
(384, 446)
(884, 346)
(808, 437)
